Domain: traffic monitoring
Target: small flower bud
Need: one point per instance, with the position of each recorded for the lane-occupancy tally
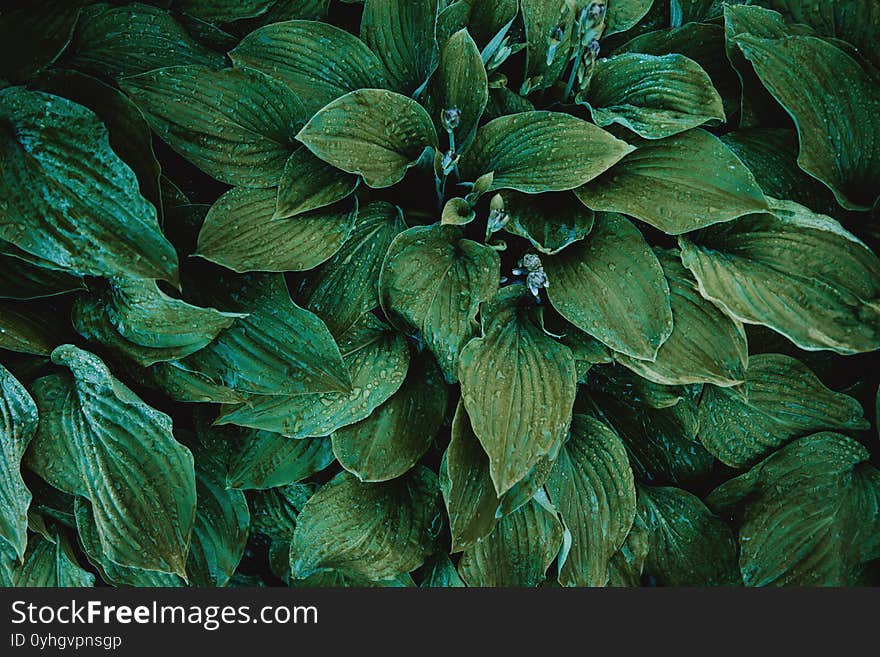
(531, 262)
(450, 118)
(536, 280)
(596, 10)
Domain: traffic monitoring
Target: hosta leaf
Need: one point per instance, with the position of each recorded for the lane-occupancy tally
(592, 486)
(677, 184)
(27, 329)
(278, 348)
(275, 511)
(706, 345)
(611, 285)
(810, 513)
(661, 438)
(622, 15)
(837, 130)
(798, 272)
(22, 280)
(628, 563)
(518, 385)
(687, 544)
(377, 359)
(488, 17)
(403, 34)
(780, 400)
(771, 155)
(672, 94)
(221, 528)
(855, 21)
(97, 439)
(394, 437)
(242, 234)
(549, 221)
(461, 84)
(309, 183)
(121, 41)
(434, 280)
(517, 553)
(441, 573)
(18, 423)
(372, 132)
(537, 152)
(223, 11)
(377, 531)
(50, 562)
(34, 35)
(471, 503)
(262, 459)
(347, 285)
(58, 168)
(549, 32)
(283, 10)
(686, 11)
(137, 318)
(113, 573)
(128, 132)
(186, 385)
(236, 125)
(318, 61)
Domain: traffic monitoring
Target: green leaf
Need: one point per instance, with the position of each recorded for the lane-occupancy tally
(58, 169)
(659, 429)
(347, 285)
(309, 183)
(688, 545)
(116, 42)
(537, 152)
(856, 21)
(461, 84)
(377, 531)
(241, 233)
(780, 400)
(489, 17)
(236, 125)
(549, 31)
(396, 435)
(611, 285)
(220, 531)
(471, 503)
(622, 15)
(372, 132)
(377, 359)
(113, 573)
(677, 184)
(262, 459)
(517, 553)
(686, 11)
(318, 61)
(518, 386)
(137, 318)
(798, 272)
(18, 423)
(50, 562)
(33, 36)
(673, 94)
(97, 439)
(403, 34)
(628, 563)
(22, 280)
(185, 385)
(434, 281)
(223, 11)
(706, 345)
(27, 329)
(550, 222)
(771, 156)
(837, 130)
(284, 10)
(128, 132)
(592, 486)
(810, 513)
(278, 348)
(441, 573)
